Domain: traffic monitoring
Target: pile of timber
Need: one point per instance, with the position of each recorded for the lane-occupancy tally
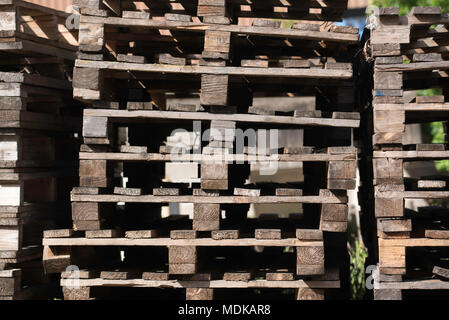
(38, 149)
(408, 55)
(145, 70)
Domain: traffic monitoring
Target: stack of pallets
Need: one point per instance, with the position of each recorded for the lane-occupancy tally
(38, 146)
(147, 69)
(408, 195)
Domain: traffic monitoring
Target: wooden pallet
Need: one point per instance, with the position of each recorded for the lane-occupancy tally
(28, 283)
(134, 66)
(217, 57)
(30, 30)
(191, 263)
(217, 10)
(39, 121)
(403, 61)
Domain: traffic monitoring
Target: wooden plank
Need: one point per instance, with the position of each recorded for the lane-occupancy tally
(199, 242)
(200, 294)
(225, 234)
(206, 217)
(414, 242)
(266, 23)
(150, 114)
(342, 170)
(115, 275)
(128, 191)
(310, 260)
(205, 284)
(166, 58)
(414, 66)
(313, 73)
(205, 199)
(94, 234)
(415, 285)
(263, 234)
(412, 154)
(183, 234)
(131, 58)
(439, 271)
(317, 157)
(396, 34)
(306, 294)
(294, 33)
(279, 276)
(392, 257)
(387, 294)
(86, 211)
(141, 234)
(217, 41)
(165, 192)
(155, 276)
(10, 238)
(437, 234)
(282, 192)
(214, 90)
(396, 225)
(247, 192)
(237, 276)
(182, 254)
(431, 184)
(309, 234)
(413, 194)
(60, 233)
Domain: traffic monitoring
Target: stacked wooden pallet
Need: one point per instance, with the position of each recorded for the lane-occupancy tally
(147, 71)
(409, 55)
(38, 149)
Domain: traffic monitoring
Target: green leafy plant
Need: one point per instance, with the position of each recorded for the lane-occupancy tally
(406, 5)
(358, 255)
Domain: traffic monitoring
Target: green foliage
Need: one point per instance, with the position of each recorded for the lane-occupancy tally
(406, 5)
(437, 132)
(358, 255)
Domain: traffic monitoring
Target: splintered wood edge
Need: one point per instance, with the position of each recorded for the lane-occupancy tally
(203, 284)
(180, 242)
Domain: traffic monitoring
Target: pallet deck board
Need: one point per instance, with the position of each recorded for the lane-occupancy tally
(198, 242)
(216, 284)
(212, 70)
(414, 285)
(205, 199)
(248, 118)
(412, 154)
(414, 242)
(237, 29)
(116, 156)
